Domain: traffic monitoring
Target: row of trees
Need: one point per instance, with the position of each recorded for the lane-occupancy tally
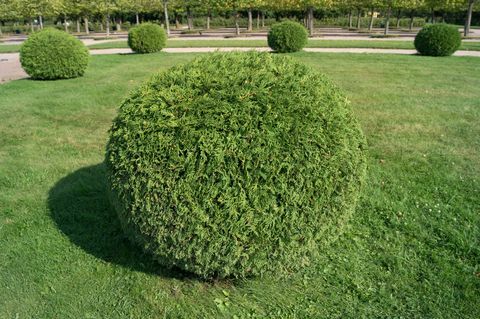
(30, 10)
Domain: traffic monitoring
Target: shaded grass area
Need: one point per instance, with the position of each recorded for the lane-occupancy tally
(376, 44)
(412, 249)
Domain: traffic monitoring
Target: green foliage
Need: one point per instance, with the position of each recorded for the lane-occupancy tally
(235, 164)
(412, 248)
(287, 36)
(52, 54)
(438, 40)
(147, 38)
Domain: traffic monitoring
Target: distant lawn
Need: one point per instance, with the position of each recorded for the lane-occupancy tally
(412, 249)
(9, 48)
(377, 44)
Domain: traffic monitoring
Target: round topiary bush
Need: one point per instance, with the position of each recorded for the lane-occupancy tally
(438, 40)
(147, 38)
(52, 54)
(287, 36)
(235, 164)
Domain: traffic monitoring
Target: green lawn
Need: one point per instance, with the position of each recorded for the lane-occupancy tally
(377, 44)
(412, 249)
(9, 48)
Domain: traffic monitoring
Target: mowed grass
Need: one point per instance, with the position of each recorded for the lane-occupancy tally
(9, 48)
(372, 44)
(412, 249)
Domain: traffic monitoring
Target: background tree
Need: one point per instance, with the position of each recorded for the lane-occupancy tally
(8, 12)
(105, 8)
(468, 19)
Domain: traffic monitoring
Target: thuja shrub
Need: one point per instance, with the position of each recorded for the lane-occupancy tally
(52, 54)
(235, 164)
(438, 40)
(147, 38)
(287, 36)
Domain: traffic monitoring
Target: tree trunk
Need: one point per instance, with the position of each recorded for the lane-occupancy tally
(263, 19)
(250, 20)
(468, 22)
(65, 23)
(433, 16)
(370, 25)
(31, 26)
(237, 27)
(40, 20)
(177, 23)
(118, 24)
(167, 21)
(399, 13)
(189, 18)
(359, 18)
(350, 19)
(410, 25)
(85, 21)
(310, 21)
(258, 20)
(78, 25)
(209, 16)
(387, 20)
(137, 19)
(101, 26)
(108, 25)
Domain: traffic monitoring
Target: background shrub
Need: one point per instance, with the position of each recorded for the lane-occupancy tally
(147, 38)
(235, 164)
(52, 54)
(287, 36)
(438, 40)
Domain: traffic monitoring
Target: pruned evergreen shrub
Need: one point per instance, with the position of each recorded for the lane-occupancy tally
(235, 164)
(147, 38)
(51, 54)
(438, 40)
(287, 36)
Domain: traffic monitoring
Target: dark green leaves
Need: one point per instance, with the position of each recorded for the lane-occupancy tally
(147, 38)
(438, 40)
(51, 54)
(235, 164)
(287, 36)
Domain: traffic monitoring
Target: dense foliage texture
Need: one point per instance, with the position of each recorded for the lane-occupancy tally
(52, 54)
(438, 40)
(235, 164)
(147, 38)
(287, 36)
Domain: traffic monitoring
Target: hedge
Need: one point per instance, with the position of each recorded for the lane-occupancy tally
(287, 36)
(235, 164)
(52, 54)
(147, 38)
(438, 40)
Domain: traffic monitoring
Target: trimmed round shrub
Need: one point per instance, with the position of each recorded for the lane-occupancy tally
(235, 164)
(287, 36)
(52, 54)
(438, 40)
(147, 38)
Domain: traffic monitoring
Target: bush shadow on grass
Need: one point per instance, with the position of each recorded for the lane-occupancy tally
(80, 207)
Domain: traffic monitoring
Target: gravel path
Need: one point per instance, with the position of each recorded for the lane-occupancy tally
(10, 68)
